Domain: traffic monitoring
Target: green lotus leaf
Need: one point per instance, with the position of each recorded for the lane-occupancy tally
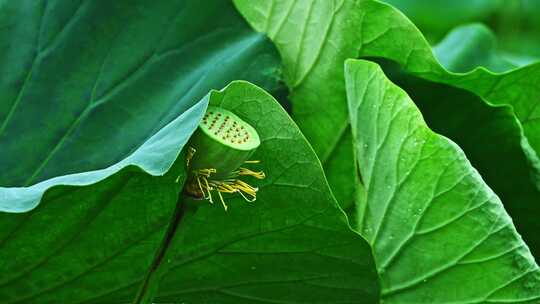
(490, 137)
(293, 244)
(439, 233)
(313, 64)
(89, 88)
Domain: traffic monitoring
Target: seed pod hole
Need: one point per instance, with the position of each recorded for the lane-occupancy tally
(226, 122)
(223, 149)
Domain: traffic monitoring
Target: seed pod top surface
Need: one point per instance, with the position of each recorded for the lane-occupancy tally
(229, 129)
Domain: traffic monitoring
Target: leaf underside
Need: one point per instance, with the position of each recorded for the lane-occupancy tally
(89, 88)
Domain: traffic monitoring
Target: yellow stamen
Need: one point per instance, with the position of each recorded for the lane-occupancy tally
(245, 198)
(252, 161)
(230, 185)
(226, 188)
(206, 172)
(222, 201)
(200, 186)
(248, 189)
(246, 171)
(209, 190)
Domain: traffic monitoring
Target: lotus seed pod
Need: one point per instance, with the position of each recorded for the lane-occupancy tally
(223, 141)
